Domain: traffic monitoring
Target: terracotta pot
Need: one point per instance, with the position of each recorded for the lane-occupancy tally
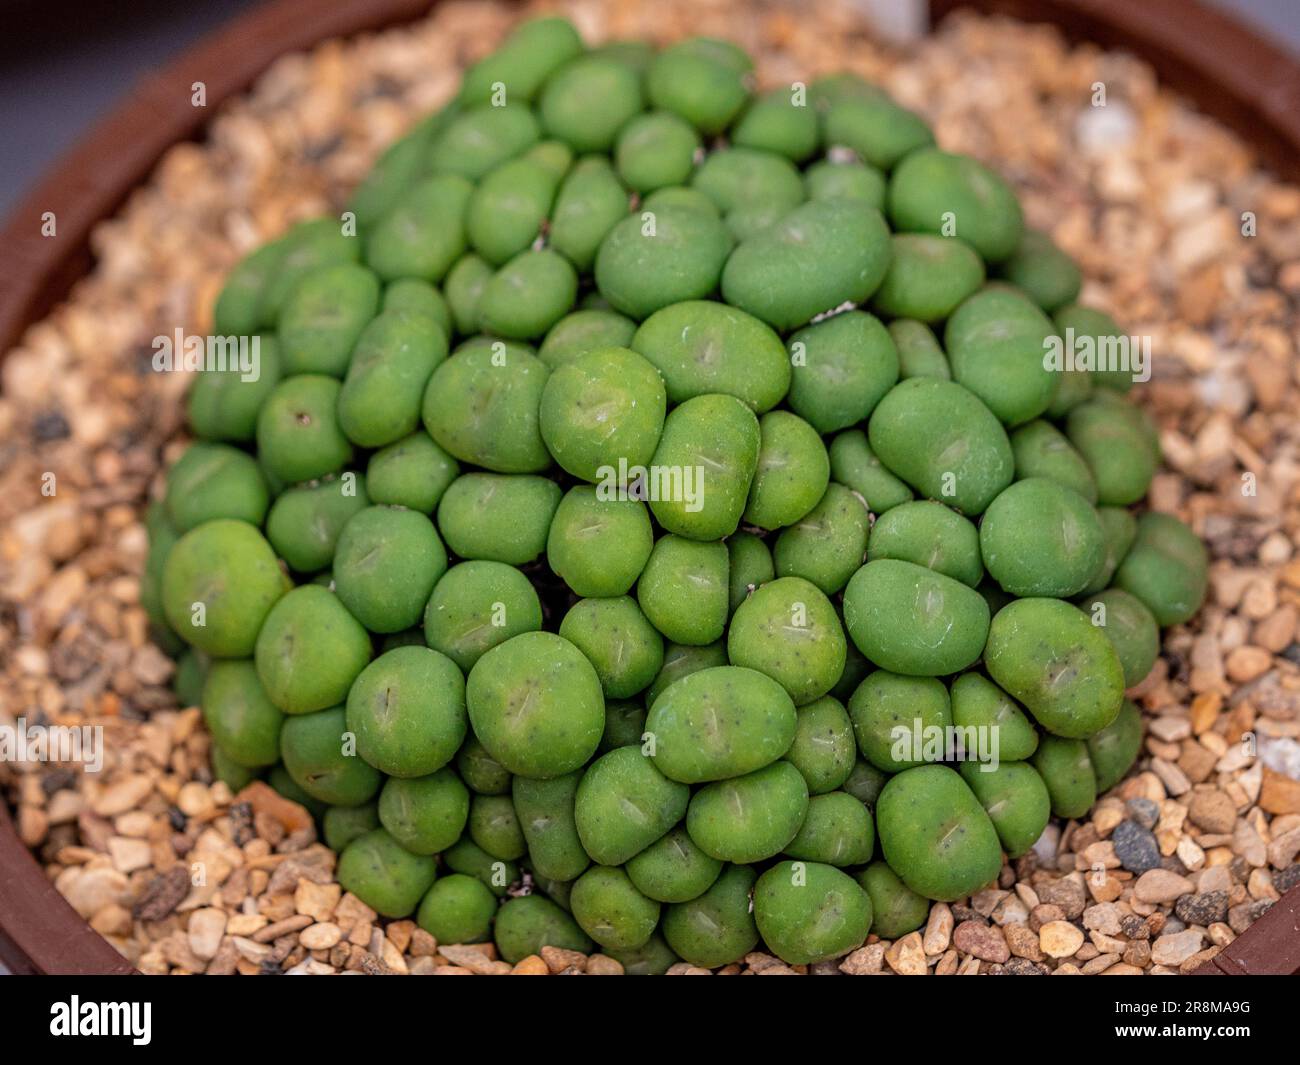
(1227, 70)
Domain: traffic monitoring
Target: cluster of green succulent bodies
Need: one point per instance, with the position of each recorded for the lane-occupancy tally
(638, 466)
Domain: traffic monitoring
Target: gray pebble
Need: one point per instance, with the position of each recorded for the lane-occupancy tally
(1135, 847)
(1285, 879)
(1145, 812)
(1019, 967)
(1203, 909)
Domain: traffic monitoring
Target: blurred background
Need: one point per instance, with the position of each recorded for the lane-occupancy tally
(64, 63)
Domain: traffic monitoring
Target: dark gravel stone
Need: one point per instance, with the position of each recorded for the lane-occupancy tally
(1145, 812)
(1134, 927)
(163, 894)
(1135, 847)
(50, 425)
(1285, 879)
(1020, 967)
(1203, 909)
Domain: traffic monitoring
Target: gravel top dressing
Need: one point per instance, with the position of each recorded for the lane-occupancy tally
(771, 506)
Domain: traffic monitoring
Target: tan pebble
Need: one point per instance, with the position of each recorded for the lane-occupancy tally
(135, 823)
(1196, 761)
(317, 901)
(1283, 850)
(758, 960)
(399, 934)
(1027, 895)
(601, 965)
(1167, 839)
(531, 966)
(1221, 934)
(1275, 632)
(1176, 948)
(1060, 939)
(152, 963)
(265, 799)
(1122, 969)
(205, 929)
(1138, 953)
(245, 924)
(1246, 663)
(1260, 885)
(1279, 794)
(123, 795)
(1010, 911)
(907, 956)
(864, 961)
(1198, 959)
(1170, 728)
(1101, 853)
(320, 936)
(351, 909)
(471, 958)
(1251, 781)
(1100, 964)
(195, 800)
(1190, 853)
(282, 927)
(1212, 810)
(1214, 743)
(1106, 889)
(112, 920)
(129, 854)
(1161, 886)
(252, 952)
(393, 960)
(422, 944)
(1107, 944)
(948, 963)
(560, 959)
(1023, 942)
(1246, 841)
(90, 890)
(1043, 913)
(986, 901)
(1205, 711)
(938, 930)
(1106, 817)
(1104, 917)
(981, 941)
(1214, 878)
(33, 825)
(1174, 779)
